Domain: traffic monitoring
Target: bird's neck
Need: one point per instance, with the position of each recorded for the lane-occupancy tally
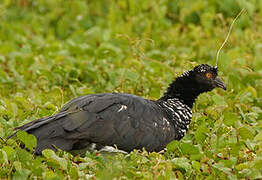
(183, 88)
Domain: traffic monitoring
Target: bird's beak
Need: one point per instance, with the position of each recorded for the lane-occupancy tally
(220, 84)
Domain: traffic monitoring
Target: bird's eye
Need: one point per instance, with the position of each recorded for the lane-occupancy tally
(208, 75)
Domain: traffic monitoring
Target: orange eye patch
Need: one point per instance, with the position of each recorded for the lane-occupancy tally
(208, 75)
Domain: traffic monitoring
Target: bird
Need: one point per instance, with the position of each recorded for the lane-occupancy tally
(125, 121)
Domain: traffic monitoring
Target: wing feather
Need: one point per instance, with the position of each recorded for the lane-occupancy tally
(127, 121)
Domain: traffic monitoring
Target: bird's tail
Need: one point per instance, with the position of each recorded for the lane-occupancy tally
(36, 124)
(48, 132)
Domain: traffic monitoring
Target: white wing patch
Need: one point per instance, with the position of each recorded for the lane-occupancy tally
(123, 107)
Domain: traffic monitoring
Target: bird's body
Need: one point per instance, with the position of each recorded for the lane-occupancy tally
(123, 120)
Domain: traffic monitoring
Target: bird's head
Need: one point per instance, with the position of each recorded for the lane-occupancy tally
(206, 77)
(190, 84)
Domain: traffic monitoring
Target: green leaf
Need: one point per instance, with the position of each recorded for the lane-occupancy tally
(28, 139)
(254, 173)
(201, 133)
(10, 152)
(172, 146)
(49, 174)
(258, 163)
(219, 100)
(253, 91)
(17, 165)
(196, 156)
(187, 148)
(258, 137)
(196, 165)
(245, 132)
(182, 163)
(49, 154)
(3, 157)
(242, 166)
(224, 169)
(24, 156)
(230, 118)
(21, 174)
(74, 171)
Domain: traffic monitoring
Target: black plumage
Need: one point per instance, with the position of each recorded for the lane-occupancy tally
(123, 120)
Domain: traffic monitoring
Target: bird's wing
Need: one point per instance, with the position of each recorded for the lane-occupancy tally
(108, 119)
(126, 121)
(71, 107)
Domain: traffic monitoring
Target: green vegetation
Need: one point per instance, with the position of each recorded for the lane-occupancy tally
(52, 51)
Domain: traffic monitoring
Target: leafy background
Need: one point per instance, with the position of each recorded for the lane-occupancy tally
(52, 51)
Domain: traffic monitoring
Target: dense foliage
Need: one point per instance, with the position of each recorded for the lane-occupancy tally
(52, 51)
